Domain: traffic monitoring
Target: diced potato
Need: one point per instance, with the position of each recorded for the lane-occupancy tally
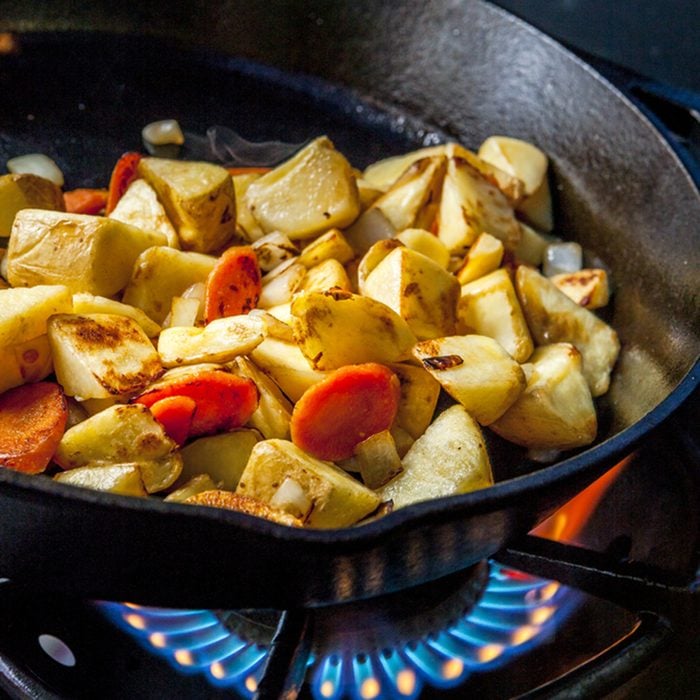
(517, 157)
(101, 355)
(139, 206)
(448, 459)
(588, 287)
(313, 191)
(197, 484)
(123, 479)
(274, 327)
(556, 410)
(220, 341)
(329, 245)
(223, 457)
(247, 228)
(274, 410)
(483, 257)
(403, 440)
(424, 294)
(28, 361)
(243, 504)
(279, 285)
(378, 459)
(273, 249)
(85, 303)
(419, 397)
(476, 371)
(198, 199)
(85, 253)
(287, 365)
(537, 208)
(471, 205)
(489, 306)
(411, 200)
(532, 245)
(337, 499)
(24, 311)
(424, 242)
(161, 273)
(371, 227)
(368, 192)
(374, 255)
(326, 275)
(552, 317)
(26, 191)
(384, 173)
(93, 406)
(337, 328)
(122, 434)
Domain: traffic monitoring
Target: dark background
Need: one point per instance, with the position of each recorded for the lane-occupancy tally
(657, 38)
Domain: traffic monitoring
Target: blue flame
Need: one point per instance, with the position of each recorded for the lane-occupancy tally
(515, 612)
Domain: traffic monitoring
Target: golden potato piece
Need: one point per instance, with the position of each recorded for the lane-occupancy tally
(556, 409)
(588, 288)
(448, 459)
(338, 328)
(474, 370)
(243, 504)
(471, 205)
(483, 257)
(553, 317)
(161, 273)
(313, 191)
(198, 198)
(85, 253)
(123, 479)
(101, 355)
(489, 306)
(419, 290)
(139, 206)
(336, 499)
(419, 397)
(26, 191)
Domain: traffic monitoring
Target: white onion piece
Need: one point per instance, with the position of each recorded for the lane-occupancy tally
(195, 291)
(163, 133)
(273, 249)
(292, 498)
(279, 285)
(183, 312)
(562, 257)
(36, 164)
(370, 227)
(543, 456)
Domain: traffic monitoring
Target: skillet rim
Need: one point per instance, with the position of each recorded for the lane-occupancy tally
(593, 459)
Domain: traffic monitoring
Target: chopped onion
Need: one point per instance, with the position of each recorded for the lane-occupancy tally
(36, 164)
(163, 133)
(273, 249)
(292, 498)
(370, 227)
(279, 285)
(562, 257)
(183, 312)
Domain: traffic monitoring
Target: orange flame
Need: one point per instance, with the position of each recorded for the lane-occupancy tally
(566, 524)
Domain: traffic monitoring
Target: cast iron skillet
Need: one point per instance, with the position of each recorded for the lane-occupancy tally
(412, 73)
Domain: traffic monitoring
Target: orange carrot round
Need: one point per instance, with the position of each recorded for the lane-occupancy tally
(234, 285)
(337, 413)
(124, 173)
(32, 422)
(223, 401)
(85, 201)
(175, 413)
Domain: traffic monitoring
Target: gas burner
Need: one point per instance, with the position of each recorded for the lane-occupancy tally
(435, 635)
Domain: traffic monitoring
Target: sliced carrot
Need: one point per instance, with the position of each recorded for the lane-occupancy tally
(249, 170)
(223, 401)
(176, 414)
(32, 421)
(124, 173)
(234, 285)
(337, 413)
(85, 201)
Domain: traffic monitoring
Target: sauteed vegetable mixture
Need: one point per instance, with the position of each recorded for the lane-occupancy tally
(311, 343)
